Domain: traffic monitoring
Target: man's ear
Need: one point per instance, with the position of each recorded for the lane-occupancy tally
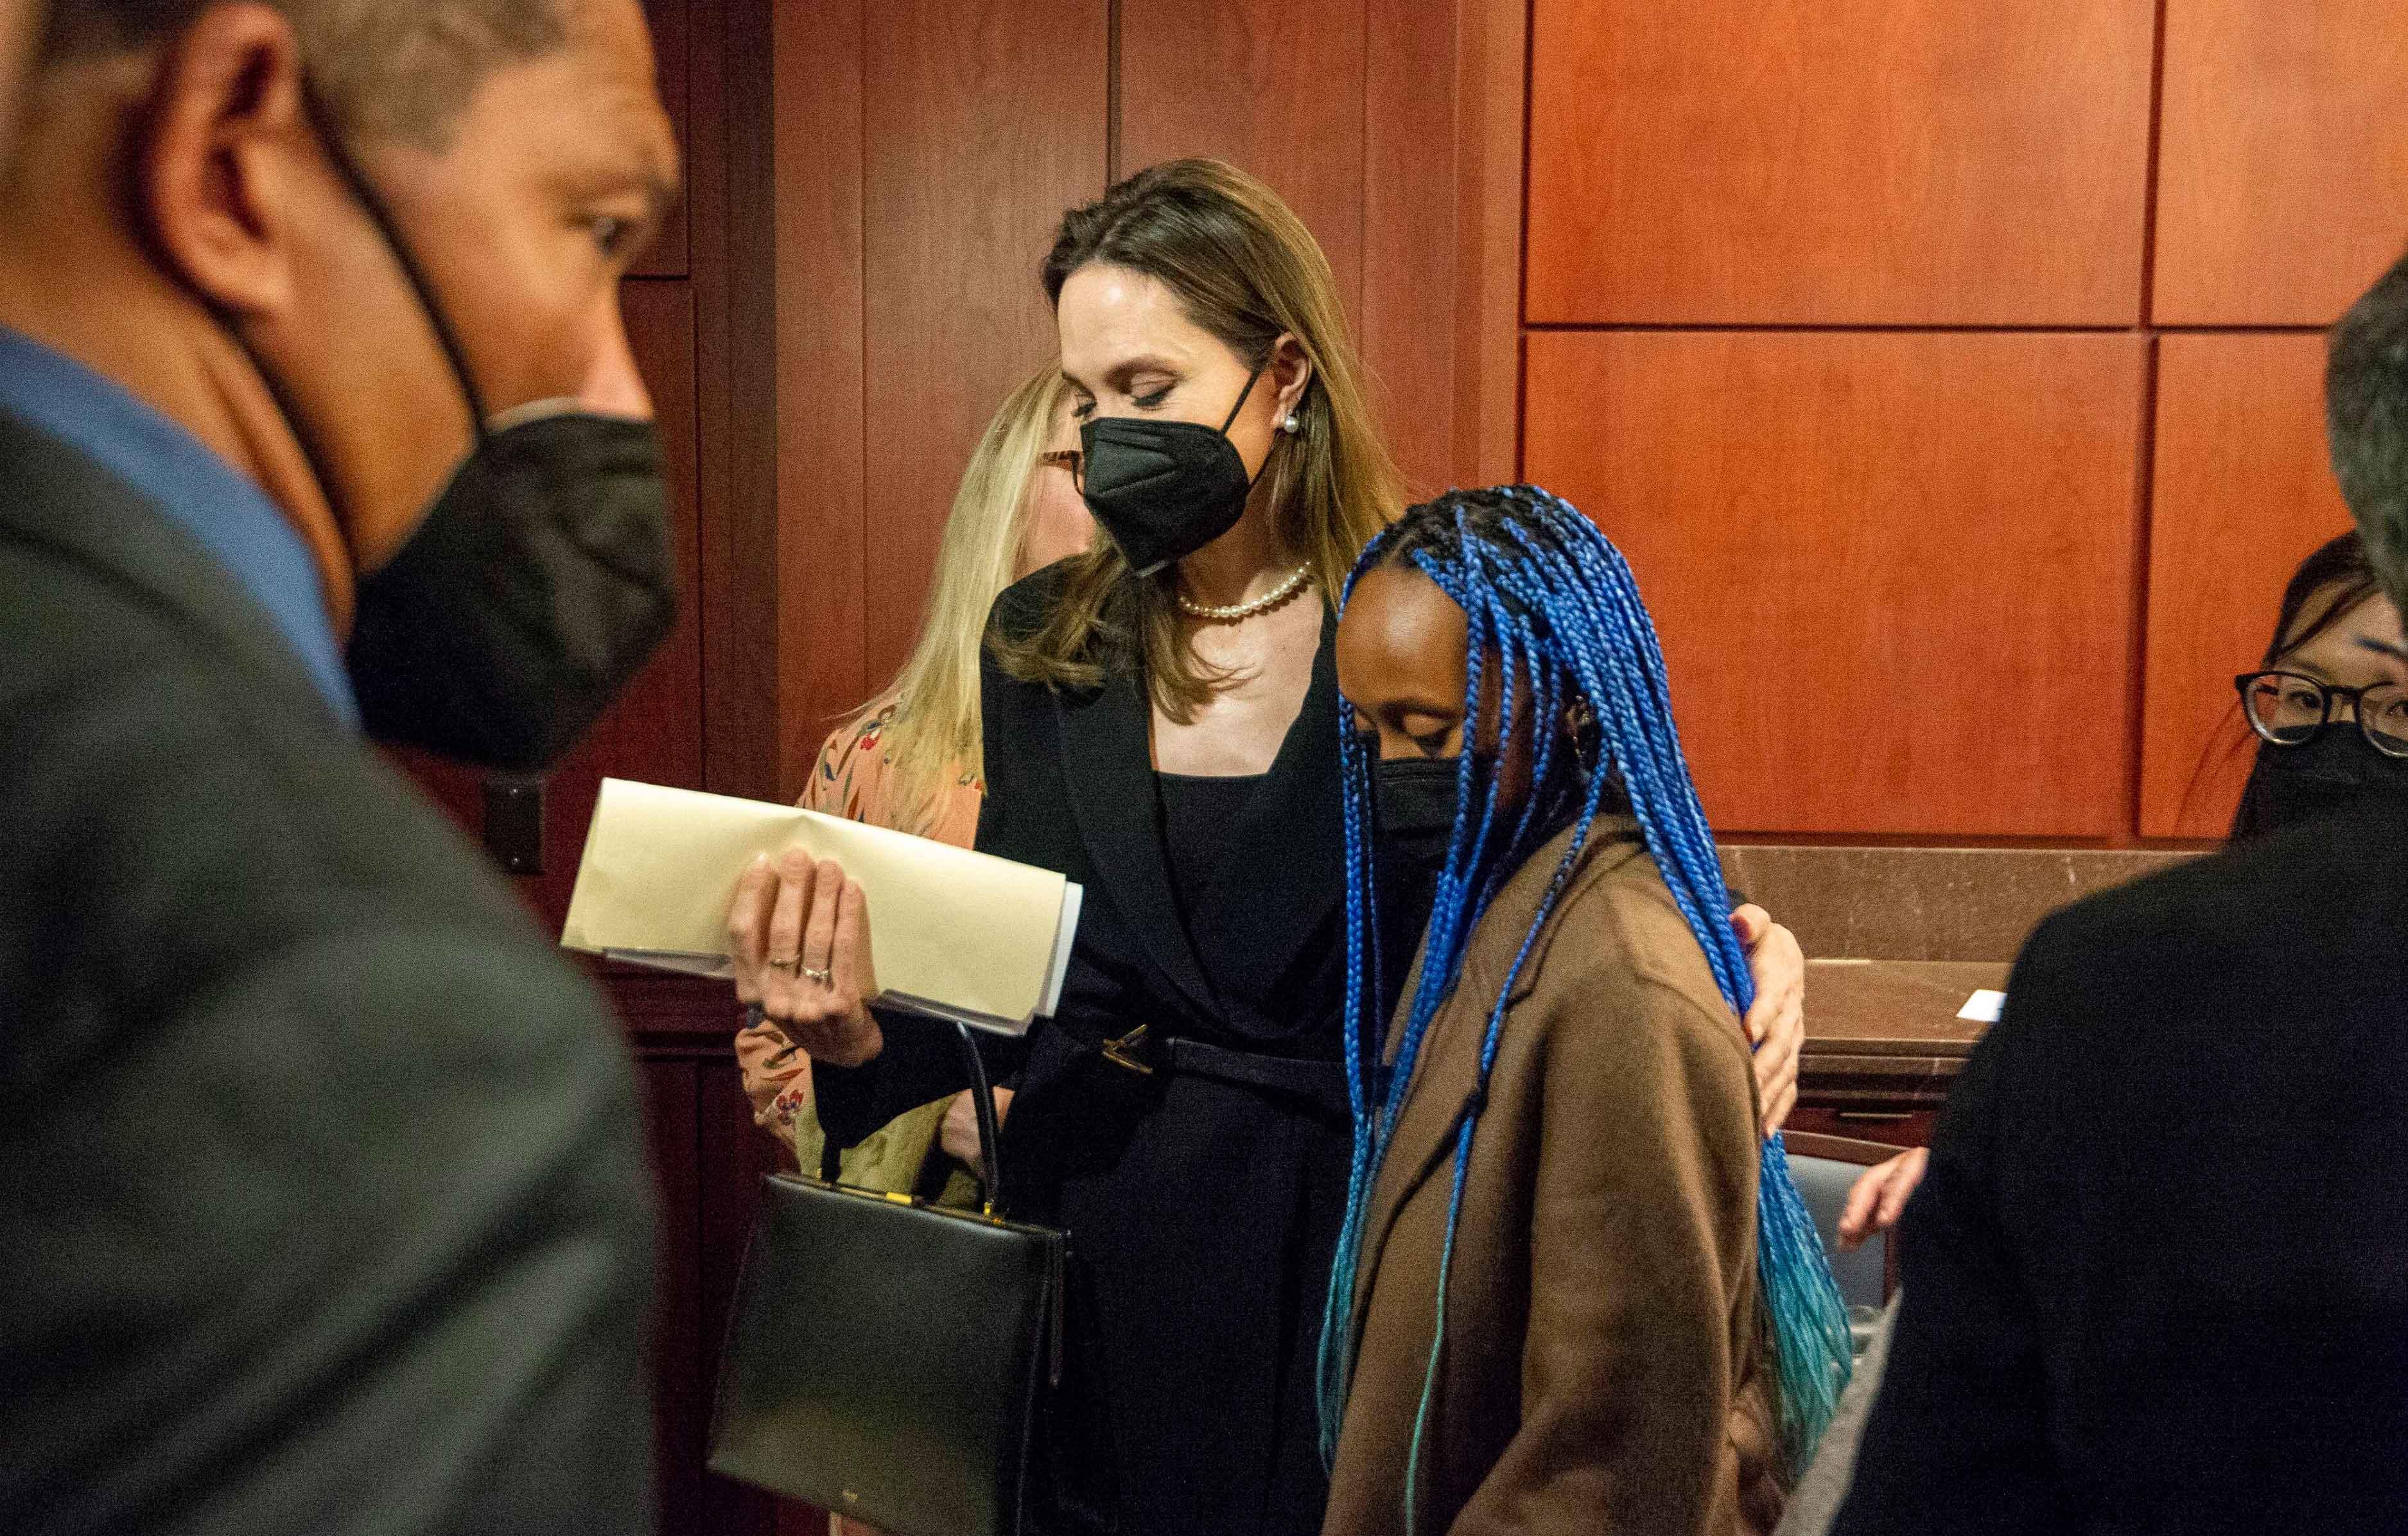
(224, 157)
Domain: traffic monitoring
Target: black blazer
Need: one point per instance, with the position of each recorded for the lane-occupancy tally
(1202, 1215)
(1069, 787)
(320, 1202)
(2156, 1279)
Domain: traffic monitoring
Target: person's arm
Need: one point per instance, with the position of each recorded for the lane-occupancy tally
(922, 1059)
(777, 1074)
(1957, 1440)
(1641, 1238)
(1878, 1197)
(1776, 1020)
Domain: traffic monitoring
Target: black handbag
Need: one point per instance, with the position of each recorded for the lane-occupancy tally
(886, 1359)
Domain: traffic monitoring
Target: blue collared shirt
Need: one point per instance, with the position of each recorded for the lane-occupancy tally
(211, 500)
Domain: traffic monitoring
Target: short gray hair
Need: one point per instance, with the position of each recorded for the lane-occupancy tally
(2365, 417)
(386, 68)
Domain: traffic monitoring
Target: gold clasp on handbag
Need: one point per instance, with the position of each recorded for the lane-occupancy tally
(1119, 1052)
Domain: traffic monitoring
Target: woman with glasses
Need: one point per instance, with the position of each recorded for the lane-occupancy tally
(909, 759)
(2331, 721)
(2330, 724)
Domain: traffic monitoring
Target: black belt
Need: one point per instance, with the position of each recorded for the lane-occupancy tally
(1142, 1051)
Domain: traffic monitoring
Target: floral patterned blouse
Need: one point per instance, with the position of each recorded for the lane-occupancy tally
(854, 778)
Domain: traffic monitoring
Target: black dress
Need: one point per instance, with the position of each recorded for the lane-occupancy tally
(1202, 1199)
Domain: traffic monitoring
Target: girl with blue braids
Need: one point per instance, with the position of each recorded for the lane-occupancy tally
(1574, 1289)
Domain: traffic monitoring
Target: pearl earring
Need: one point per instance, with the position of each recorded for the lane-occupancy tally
(1292, 426)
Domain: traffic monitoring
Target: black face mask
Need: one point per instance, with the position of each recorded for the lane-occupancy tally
(1163, 490)
(1412, 810)
(1413, 826)
(534, 589)
(530, 596)
(2294, 784)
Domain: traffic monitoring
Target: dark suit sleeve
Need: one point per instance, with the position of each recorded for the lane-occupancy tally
(921, 1062)
(326, 1209)
(1957, 1440)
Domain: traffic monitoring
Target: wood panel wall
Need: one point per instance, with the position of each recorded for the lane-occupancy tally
(2282, 176)
(1846, 653)
(1951, 370)
(2242, 492)
(1791, 161)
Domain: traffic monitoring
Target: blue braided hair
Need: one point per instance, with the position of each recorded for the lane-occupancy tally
(1552, 605)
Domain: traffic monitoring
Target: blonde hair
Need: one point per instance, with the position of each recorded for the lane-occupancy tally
(1246, 270)
(935, 736)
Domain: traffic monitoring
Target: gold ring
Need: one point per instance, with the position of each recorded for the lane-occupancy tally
(789, 967)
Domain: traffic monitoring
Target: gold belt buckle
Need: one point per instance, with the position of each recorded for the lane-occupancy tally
(1117, 1052)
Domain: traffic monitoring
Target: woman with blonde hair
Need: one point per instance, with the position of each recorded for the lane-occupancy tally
(909, 759)
(1162, 725)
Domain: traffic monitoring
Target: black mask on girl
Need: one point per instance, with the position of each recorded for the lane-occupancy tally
(1163, 490)
(1412, 810)
(2293, 784)
(1413, 826)
(532, 591)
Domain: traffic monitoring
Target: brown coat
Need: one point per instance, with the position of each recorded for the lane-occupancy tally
(1602, 1370)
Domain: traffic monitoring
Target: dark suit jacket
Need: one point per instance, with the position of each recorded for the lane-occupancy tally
(1201, 1214)
(320, 1206)
(2156, 1279)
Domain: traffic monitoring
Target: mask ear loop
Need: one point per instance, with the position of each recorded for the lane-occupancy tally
(345, 166)
(1243, 395)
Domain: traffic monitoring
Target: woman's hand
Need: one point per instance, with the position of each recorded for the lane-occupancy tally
(1879, 1197)
(1776, 1022)
(960, 1137)
(798, 933)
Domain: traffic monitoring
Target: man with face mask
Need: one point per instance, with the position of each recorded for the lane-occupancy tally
(2156, 1275)
(320, 1200)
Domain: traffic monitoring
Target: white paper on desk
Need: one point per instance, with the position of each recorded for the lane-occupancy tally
(1983, 1006)
(953, 934)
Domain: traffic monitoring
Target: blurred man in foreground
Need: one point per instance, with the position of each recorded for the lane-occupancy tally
(321, 1201)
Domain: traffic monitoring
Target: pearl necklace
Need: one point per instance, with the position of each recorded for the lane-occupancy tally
(1264, 604)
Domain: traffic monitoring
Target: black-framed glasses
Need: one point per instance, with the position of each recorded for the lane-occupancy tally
(1070, 459)
(2291, 708)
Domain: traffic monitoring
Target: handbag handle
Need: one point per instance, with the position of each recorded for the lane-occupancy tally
(989, 1137)
(982, 1097)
